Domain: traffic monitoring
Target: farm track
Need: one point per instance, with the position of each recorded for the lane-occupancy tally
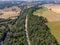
(26, 21)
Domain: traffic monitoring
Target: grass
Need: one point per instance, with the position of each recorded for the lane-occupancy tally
(55, 29)
(54, 7)
(40, 10)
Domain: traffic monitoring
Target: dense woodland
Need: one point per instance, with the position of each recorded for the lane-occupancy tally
(38, 30)
(12, 32)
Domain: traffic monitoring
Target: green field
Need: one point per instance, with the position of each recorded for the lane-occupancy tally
(40, 10)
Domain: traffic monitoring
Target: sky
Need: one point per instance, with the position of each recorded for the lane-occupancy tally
(14, 0)
(18, 0)
(29, 0)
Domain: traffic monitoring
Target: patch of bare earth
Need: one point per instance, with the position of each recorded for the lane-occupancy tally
(11, 12)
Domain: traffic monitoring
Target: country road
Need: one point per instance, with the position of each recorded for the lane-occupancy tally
(26, 21)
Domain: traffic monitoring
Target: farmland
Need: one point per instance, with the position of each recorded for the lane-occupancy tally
(28, 28)
(52, 13)
(10, 12)
(53, 7)
(55, 29)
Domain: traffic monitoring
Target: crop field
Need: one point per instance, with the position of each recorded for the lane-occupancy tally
(53, 16)
(55, 29)
(50, 15)
(10, 12)
(55, 8)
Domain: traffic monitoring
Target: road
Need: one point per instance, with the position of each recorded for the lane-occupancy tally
(26, 21)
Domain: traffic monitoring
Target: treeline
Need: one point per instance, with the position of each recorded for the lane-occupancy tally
(39, 32)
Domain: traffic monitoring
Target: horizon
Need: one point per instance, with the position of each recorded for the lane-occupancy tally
(34, 0)
(29, 0)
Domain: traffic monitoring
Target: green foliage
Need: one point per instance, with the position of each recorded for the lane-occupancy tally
(39, 32)
(41, 10)
(12, 32)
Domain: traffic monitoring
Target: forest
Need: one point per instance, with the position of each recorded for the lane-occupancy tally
(12, 32)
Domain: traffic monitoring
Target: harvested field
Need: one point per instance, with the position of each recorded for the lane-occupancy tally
(50, 15)
(10, 12)
(53, 7)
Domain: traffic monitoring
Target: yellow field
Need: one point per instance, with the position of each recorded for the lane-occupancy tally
(55, 29)
(10, 12)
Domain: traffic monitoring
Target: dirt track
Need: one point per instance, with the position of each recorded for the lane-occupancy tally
(27, 36)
